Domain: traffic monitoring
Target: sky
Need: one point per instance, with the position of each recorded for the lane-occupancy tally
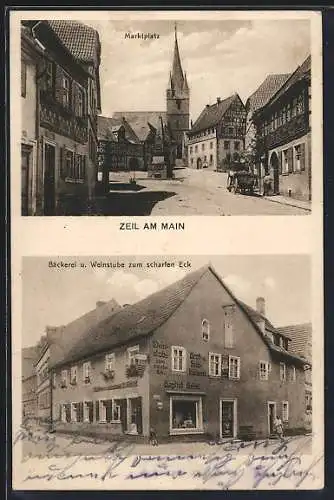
(220, 58)
(55, 297)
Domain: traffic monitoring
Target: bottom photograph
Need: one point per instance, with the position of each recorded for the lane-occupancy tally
(166, 351)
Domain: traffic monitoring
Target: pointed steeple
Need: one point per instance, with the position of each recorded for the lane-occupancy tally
(177, 73)
(185, 82)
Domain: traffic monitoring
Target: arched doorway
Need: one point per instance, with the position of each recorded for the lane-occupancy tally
(199, 163)
(133, 164)
(274, 167)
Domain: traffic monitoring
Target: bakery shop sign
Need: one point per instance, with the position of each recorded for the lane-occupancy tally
(196, 364)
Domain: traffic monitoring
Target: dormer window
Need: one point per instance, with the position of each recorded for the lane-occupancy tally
(205, 330)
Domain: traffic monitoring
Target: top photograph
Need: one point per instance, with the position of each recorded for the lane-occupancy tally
(139, 117)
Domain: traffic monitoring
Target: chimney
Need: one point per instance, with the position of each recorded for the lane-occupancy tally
(261, 306)
(218, 100)
(208, 105)
(100, 303)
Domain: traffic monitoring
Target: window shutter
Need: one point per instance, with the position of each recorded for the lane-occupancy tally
(81, 412)
(225, 366)
(302, 156)
(59, 83)
(97, 411)
(290, 160)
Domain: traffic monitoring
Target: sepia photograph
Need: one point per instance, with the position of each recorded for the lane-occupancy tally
(134, 357)
(161, 117)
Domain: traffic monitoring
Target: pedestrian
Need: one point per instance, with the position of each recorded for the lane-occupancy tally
(267, 184)
(279, 427)
(153, 437)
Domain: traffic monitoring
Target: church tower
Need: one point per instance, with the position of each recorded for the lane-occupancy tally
(178, 97)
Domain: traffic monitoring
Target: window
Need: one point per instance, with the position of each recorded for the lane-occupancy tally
(23, 79)
(179, 356)
(285, 411)
(69, 164)
(75, 412)
(264, 370)
(293, 374)
(109, 362)
(228, 326)
(211, 145)
(80, 102)
(64, 378)
(282, 372)
(285, 162)
(66, 91)
(203, 146)
(109, 410)
(308, 402)
(74, 166)
(191, 149)
(211, 159)
(215, 362)
(296, 163)
(205, 330)
(73, 375)
(88, 411)
(226, 144)
(196, 149)
(230, 131)
(66, 412)
(204, 158)
(86, 369)
(294, 107)
(49, 77)
(234, 367)
(286, 344)
(300, 104)
(236, 145)
(132, 355)
(186, 415)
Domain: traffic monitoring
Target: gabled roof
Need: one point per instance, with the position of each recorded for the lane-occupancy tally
(301, 337)
(63, 338)
(135, 321)
(266, 90)
(256, 316)
(303, 71)
(81, 40)
(140, 121)
(142, 318)
(212, 114)
(106, 126)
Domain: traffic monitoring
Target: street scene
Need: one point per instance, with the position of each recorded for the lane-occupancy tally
(123, 121)
(164, 352)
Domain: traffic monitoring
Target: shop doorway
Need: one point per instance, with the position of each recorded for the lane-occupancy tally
(199, 163)
(135, 416)
(228, 418)
(271, 417)
(274, 164)
(25, 176)
(49, 179)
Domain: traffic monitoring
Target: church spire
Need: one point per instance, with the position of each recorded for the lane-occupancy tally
(177, 73)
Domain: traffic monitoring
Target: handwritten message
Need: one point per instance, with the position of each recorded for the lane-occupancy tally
(227, 465)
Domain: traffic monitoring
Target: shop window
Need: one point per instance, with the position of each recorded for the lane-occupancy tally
(285, 411)
(73, 379)
(109, 411)
(282, 372)
(185, 415)
(234, 367)
(215, 364)
(179, 359)
(205, 330)
(88, 409)
(86, 369)
(64, 378)
(264, 370)
(229, 340)
(75, 412)
(66, 413)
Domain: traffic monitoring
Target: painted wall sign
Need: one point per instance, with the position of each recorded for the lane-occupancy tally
(160, 357)
(198, 373)
(179, 385)
(123, 385)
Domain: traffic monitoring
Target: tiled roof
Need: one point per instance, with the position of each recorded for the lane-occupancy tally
(135, 321)
(301, 337)
(140, 121)
(266, 90)
(63, 338)
(107, 125)
(256, 316)
(29, 355)
(212, 114)
(81, 40)
(300, 73)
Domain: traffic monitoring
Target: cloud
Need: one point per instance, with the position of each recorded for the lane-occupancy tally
(238, 284)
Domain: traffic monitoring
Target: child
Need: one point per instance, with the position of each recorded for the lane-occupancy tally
(153, 437)
(279, 427)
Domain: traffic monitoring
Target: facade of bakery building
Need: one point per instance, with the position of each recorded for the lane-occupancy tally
(189, 361)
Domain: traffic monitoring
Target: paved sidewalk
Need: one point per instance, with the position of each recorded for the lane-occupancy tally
(291, 202)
